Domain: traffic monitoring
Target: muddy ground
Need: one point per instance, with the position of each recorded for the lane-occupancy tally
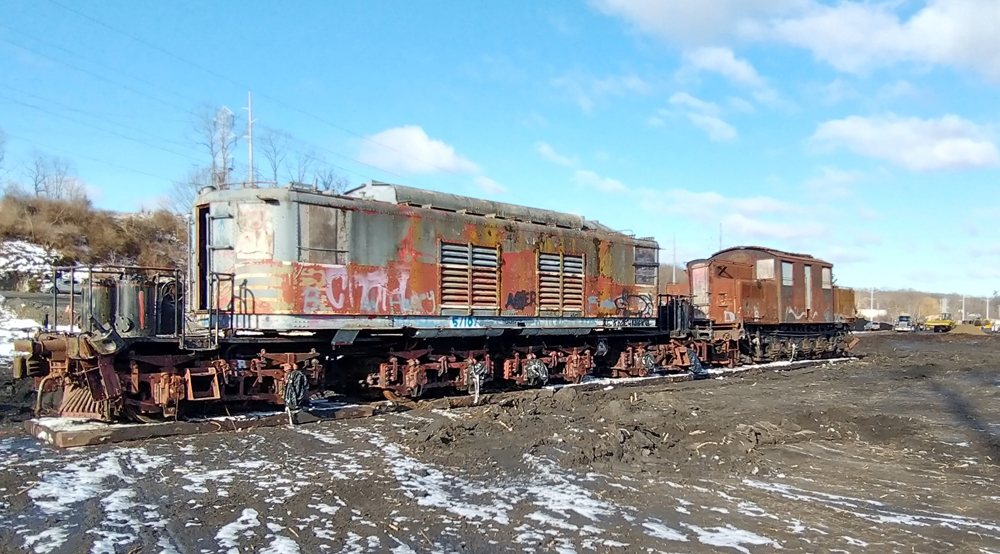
(896, 452)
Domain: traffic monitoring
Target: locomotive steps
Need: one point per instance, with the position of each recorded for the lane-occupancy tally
(73, 432)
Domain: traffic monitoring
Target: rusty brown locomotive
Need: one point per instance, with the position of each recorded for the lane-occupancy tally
(390, 288)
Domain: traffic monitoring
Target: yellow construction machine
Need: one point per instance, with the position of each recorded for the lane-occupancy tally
(941, 323)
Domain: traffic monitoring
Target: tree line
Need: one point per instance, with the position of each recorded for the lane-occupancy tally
(41, 174)
(218, 133)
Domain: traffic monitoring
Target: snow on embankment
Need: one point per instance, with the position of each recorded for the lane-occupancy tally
(20, 260)
(11, 329)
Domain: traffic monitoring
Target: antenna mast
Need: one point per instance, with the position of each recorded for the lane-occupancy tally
(673, 266)
(250, 136)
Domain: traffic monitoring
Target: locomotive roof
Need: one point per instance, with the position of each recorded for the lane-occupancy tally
(773, 252)
(399, 194)
(375, 191)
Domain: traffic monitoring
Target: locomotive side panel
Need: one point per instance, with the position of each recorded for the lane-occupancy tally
(806, 291)
(315, 257)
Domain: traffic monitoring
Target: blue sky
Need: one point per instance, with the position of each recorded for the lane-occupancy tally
(861, 132)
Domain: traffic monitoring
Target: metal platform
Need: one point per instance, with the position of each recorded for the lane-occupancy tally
(65, 432)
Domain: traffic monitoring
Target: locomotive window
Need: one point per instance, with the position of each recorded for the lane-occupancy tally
(645, 266)
(469, 276)
(827, 278)
(560, 282)
(787, 277)
(765, 269)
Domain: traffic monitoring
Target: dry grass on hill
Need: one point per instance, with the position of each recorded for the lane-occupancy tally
(84, 234)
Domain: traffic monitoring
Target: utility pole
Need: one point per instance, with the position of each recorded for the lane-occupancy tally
(871, 301)
(250, 171)
(673, 265)
(963, 307)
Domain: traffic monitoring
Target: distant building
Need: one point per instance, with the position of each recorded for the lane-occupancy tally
(872, 315)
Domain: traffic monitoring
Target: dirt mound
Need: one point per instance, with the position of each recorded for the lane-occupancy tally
(631, 432)
(967, 329)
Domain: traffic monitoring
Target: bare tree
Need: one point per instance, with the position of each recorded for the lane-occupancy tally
(274, 147)
(300, 171)
(35, 175)
(184, 191)
(53, 177)
(329, 180)
(215, 130)
(3, 150)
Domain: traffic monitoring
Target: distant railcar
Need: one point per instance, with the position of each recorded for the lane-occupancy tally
(781, 303)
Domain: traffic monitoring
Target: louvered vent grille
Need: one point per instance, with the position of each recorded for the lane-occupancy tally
(469, 276)
(560, 282)
(485, 293)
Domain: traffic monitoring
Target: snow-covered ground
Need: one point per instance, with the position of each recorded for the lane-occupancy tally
(354, 487)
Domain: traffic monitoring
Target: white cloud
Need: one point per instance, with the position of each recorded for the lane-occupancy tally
(752, 229)
(685, 99)
(655, 121)
(691, 22)
(724, 62)
(838, 91)
(703, 115)
(741, 105)
(833, 182)
(409, 150)
(603, 184)
(549, 153)
(534, 120)
(716, 129)
(898, 89)
(587, 90)
(852, 36)
(855, 36)
(840, 255)
(917, 144)
(489, 185)
(681, 201)
(161, 202)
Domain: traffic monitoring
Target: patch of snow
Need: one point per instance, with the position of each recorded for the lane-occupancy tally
(200, 478)
(46, 541)
(730, 537)
(325, 508)
(228, 536)
(281, 545)
(661, 531)
(854, 542)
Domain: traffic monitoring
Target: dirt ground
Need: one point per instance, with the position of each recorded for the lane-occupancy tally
(896, 452)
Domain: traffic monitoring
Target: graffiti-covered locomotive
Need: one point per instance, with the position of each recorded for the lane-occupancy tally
(402, 290)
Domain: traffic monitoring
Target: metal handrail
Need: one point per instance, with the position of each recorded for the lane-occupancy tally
(91, 271)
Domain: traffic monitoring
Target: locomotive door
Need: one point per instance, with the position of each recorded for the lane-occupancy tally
(699, 289)
(809, 290)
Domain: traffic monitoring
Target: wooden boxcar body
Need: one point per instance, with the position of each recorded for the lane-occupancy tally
(781, 300)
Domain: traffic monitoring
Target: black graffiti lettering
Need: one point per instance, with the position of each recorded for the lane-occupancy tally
(634, 305)
(520, 300)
